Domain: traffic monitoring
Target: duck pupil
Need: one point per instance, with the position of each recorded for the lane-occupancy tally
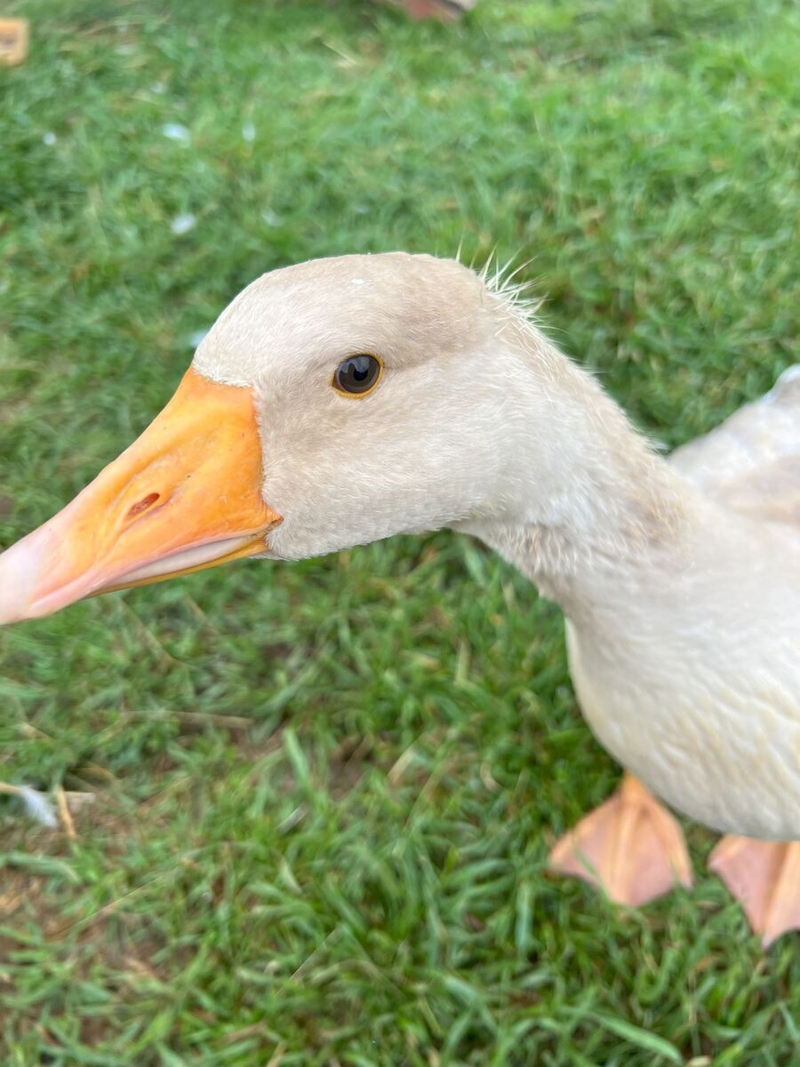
(357, 374)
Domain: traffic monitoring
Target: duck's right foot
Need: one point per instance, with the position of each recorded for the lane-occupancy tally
(631, 847)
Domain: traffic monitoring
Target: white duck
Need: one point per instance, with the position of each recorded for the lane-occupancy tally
(345, 400)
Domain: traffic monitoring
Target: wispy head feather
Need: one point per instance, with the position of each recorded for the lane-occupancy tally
(502, 279)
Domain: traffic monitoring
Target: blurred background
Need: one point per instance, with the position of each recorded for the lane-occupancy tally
(311, 804)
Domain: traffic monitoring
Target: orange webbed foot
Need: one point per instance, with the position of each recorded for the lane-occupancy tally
(764, 876)
(631, 847)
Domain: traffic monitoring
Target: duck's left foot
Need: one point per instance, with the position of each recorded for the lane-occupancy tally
(630, 847)
(764, 876)
(444, 10)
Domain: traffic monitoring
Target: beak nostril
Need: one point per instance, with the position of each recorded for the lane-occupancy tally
(143, 504)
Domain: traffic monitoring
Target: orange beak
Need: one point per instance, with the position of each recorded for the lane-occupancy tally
(185, 496)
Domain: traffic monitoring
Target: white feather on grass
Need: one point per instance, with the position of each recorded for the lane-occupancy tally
(38, 806)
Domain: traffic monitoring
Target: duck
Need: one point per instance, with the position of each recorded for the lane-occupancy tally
(340, 401)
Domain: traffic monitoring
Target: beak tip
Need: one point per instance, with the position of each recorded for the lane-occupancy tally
(12, 590)
(21, 574)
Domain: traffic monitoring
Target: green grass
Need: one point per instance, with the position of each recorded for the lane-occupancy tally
(324, 793)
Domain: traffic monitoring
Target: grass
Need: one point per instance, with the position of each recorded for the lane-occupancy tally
(324, 793)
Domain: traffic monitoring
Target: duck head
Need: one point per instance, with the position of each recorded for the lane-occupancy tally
(333, 403)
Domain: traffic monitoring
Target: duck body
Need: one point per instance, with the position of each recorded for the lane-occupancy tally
(683, 636)
(683, 612)
(694, 688)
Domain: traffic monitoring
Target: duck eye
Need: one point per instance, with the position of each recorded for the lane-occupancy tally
(357, 375)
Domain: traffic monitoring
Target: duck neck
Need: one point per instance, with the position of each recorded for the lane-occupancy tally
(585, 504)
